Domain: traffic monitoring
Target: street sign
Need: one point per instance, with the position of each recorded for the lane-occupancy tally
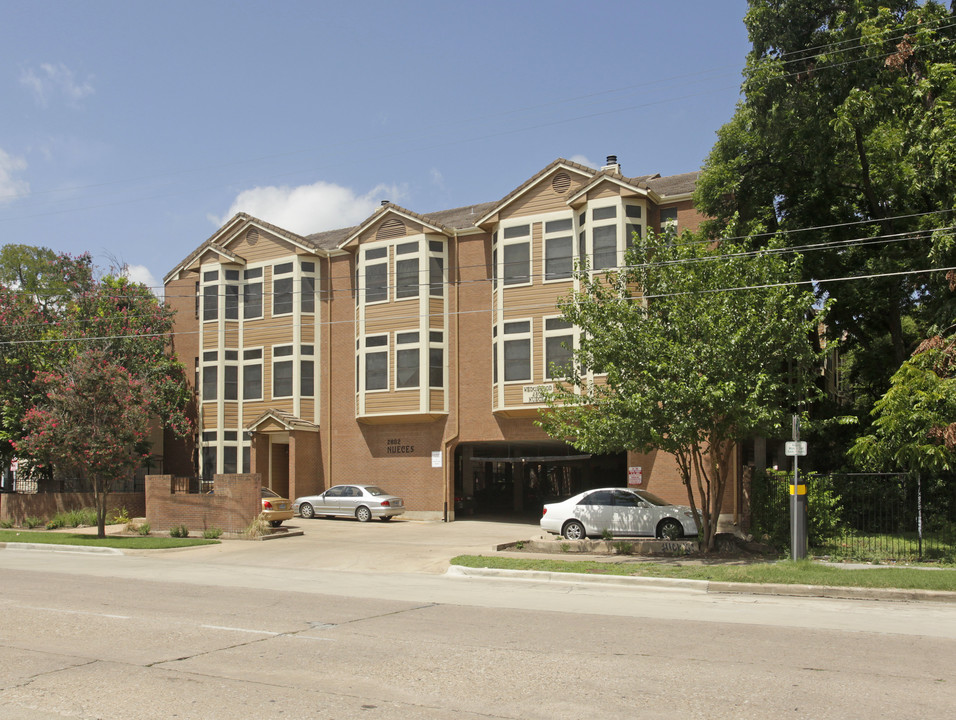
(796, 448)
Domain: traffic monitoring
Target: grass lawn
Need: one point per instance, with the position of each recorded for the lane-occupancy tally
(113, 541)
(803, 572)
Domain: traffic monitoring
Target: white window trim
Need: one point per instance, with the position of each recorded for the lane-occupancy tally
(523, 240)
(570, 332)
(291, 357)
(545, 235)
(506, 337)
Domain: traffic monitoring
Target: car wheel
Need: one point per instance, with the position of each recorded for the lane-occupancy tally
(385, 518)
(275, 523)
(363, 514)
(574, 531)
(306, 511)
(669, 529)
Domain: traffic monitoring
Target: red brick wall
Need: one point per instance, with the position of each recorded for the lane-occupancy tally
(15, 507)
(237, 501)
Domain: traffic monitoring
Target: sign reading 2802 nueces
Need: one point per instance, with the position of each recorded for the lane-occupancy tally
(397, 446)
(535, 394)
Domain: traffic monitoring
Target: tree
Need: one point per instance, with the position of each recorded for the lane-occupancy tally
(702, 347)
(914, 427)
(95, 421)
(848, 128)
(36, 286)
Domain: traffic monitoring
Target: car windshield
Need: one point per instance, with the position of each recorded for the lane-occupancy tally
(651, 498)
(372, 490)
(266, 492)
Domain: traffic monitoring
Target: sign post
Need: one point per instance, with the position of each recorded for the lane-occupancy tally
(798, 497)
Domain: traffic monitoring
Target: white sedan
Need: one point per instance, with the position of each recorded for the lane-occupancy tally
(363, 502)
(617, 511)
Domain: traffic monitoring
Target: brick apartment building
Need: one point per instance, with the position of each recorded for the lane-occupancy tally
(409, 351)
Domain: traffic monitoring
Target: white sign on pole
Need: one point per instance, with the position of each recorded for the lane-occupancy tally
(635, 476)
(796, 448)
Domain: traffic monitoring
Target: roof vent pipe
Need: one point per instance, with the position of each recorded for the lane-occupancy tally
(612, 164)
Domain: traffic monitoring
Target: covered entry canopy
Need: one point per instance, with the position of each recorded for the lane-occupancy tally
(519, 477)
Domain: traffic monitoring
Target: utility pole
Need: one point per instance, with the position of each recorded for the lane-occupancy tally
(798, 497)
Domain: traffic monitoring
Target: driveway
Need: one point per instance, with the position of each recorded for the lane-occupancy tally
(341, 544)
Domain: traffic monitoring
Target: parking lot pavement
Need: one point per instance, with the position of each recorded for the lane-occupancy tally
(343, 544)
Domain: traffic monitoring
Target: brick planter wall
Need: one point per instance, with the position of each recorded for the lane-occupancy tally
(15, 507)
(237, 501)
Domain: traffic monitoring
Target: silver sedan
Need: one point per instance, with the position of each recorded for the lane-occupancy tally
(363, 502)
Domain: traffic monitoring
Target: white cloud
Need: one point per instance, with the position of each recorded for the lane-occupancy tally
(581, 160)
(10, 186)
(312, 208)
(141, 274)
(437, 178)
(50, 79)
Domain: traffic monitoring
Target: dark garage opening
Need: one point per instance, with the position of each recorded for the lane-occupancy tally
(516, 479)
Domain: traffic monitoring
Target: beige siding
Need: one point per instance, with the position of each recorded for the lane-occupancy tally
(605, 190)
(403, 401)
(267, 249)
(266, 333)
(436, 400)
(392, 317)
(230, 414)
(541, 198)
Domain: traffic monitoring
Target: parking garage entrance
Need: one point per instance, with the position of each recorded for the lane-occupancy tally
(517, 478)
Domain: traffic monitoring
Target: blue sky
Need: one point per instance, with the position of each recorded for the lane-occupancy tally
(133, 129)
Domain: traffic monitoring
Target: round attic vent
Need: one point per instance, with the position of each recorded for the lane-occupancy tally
(252, 236)
(392, 228)
(560, 183)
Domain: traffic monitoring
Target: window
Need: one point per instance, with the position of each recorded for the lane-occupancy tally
(406, 278)
(210, 300)
(282, 371)
(308, 293)
(436, 360)
(558, 249)
(229, 459)
(210, 382)
(668, 219)
(605, 247)
(252, 375)
(208, 462)
(558, 341)
(376, 363)
(282, 289)
(633, 228)
(407, 362)
(376, 275)
(230, 379)
(252, 294)
(516, 260)
(307, 371)
(231, 298)
(517, 351)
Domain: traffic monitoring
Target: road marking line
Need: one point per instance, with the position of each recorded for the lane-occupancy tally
(245, 630)
(81, 612)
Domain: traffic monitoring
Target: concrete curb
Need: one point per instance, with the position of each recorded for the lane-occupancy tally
(707, 586)
(52, 547)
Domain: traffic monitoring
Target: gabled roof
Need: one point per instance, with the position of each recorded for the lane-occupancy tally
(393, 209)
(231, 230)
(531, 182)
(636, 184)
(285, 420)
(682, 184)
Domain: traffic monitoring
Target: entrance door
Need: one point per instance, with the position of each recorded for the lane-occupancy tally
(279, 469)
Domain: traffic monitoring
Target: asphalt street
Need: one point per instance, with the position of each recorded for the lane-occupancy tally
(354, 620)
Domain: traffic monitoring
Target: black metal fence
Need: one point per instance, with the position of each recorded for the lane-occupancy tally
(871, 517)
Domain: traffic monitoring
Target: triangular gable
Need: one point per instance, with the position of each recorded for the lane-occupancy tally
(631, 187)
(527, 186)
(237, 225)
(274, 420)
(391, 210)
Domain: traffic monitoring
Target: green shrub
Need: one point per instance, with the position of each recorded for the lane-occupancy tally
(85, 516)
(6, 524)
(179, 531)
(32, 522)
(143, 529)
(212, 533)
(606, 534)
(257, 528)
(624, 548)
(118, 517)
(56, 522)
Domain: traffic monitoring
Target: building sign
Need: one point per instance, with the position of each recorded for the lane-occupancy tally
(534, 394)
(635, 476)
(397, 446)
(436, 458)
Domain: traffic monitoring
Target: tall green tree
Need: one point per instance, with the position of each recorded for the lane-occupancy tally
(94, 421)
(845, 139)
(703, 347)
